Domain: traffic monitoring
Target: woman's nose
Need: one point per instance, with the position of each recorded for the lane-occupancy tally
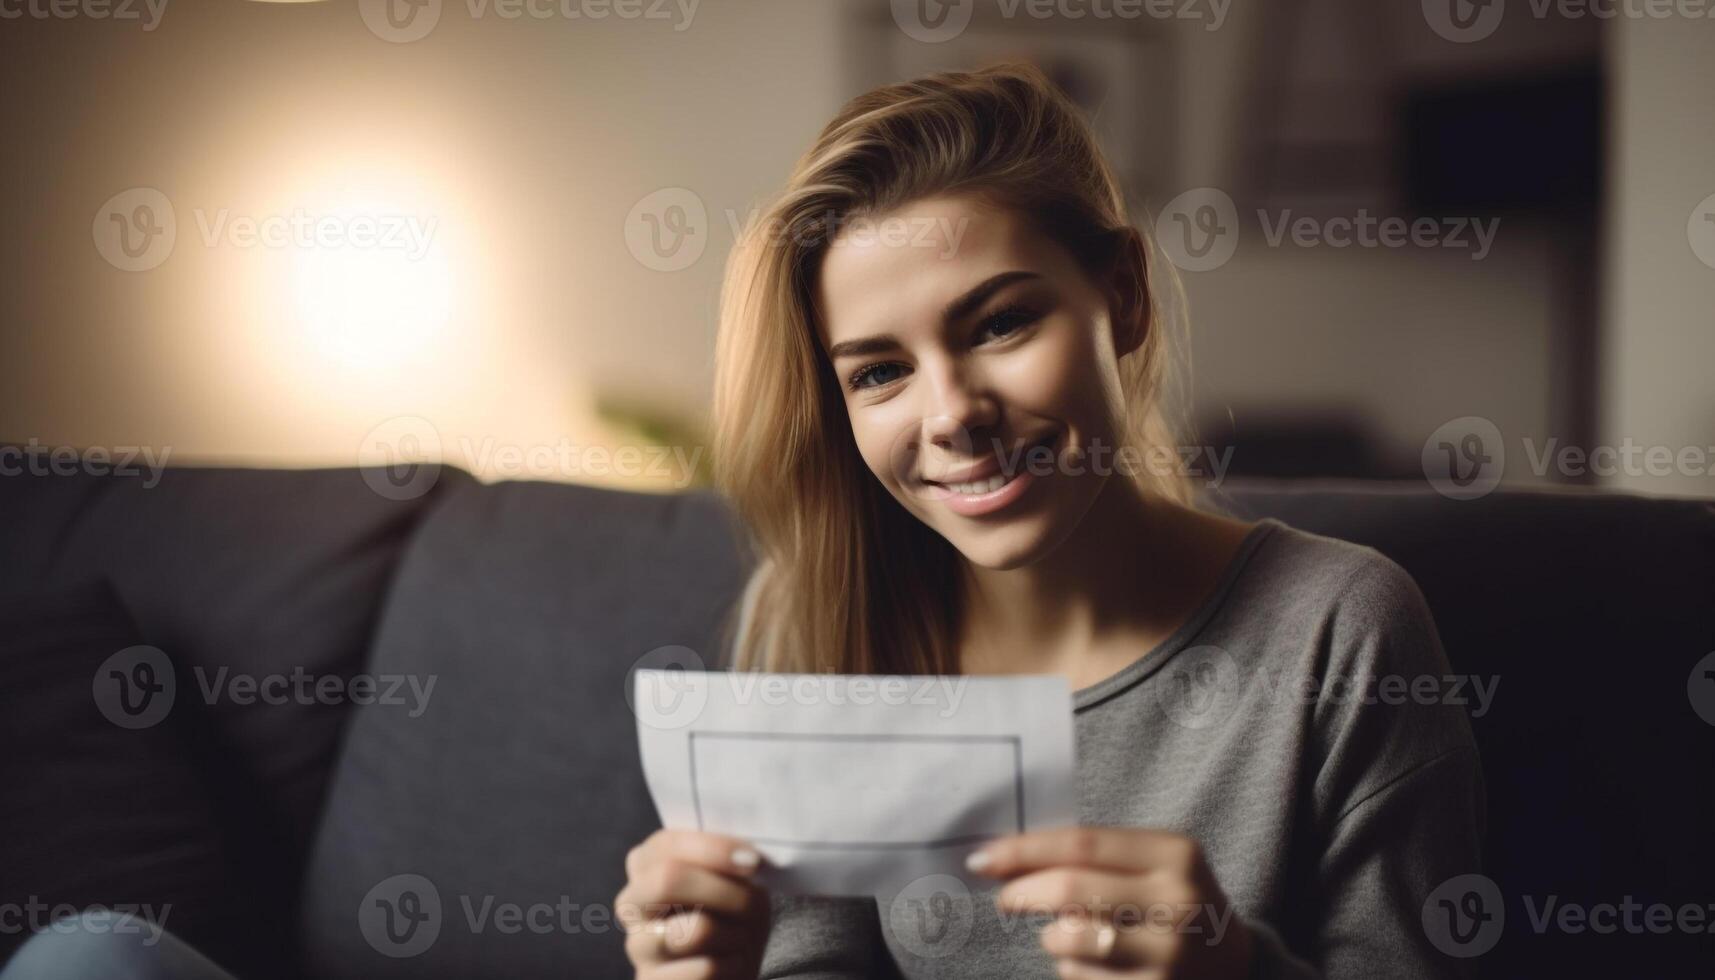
(959, 404)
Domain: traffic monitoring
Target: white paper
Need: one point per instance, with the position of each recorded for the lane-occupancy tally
(857, 785)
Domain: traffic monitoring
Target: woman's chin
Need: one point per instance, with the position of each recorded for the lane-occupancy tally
(1002, 548)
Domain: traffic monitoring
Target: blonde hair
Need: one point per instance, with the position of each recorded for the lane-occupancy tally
(848, 581)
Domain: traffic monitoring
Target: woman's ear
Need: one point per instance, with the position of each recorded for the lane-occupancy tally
(1128, 287)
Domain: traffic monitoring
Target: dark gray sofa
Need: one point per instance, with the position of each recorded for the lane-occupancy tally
(516, 792)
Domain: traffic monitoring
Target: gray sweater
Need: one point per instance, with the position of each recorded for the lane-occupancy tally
(1303, 725)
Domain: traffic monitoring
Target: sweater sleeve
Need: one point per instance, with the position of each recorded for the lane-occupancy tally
(826, 939)
(1397, 799)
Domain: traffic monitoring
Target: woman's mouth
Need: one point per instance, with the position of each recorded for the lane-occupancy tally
(987, 492)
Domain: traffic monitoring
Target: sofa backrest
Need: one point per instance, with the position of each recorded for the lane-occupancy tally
(235, 573)
(515, 792)
(1589, 614)
(518, 791)
(521, 791)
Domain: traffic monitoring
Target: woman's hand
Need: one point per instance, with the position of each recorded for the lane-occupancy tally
(1126, 903)
(690, 908)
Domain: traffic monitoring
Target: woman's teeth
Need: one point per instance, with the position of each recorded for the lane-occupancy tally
(989, 485)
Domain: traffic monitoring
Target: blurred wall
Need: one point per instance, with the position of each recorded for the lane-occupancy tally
(1659, 345)
(528, 145)
(1388, 342)
(524, 142)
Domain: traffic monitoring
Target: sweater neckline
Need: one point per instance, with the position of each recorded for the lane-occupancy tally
(1156, 656)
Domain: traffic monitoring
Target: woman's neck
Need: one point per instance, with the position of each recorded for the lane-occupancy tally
(1132, 572)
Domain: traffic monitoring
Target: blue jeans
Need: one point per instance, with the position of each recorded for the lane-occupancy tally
(98, 946)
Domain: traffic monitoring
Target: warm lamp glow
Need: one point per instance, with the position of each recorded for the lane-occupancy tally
(373, 288)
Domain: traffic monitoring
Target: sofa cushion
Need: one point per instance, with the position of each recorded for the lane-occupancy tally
(104, 806)
(1589, 612)
(241, 574)
(517, 791)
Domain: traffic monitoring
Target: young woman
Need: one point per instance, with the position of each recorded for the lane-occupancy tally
(940, 410)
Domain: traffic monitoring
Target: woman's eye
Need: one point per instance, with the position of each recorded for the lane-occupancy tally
(1007, 322)
(995, 327)
(876, 375)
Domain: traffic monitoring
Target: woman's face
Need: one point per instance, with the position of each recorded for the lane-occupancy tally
(979, 367)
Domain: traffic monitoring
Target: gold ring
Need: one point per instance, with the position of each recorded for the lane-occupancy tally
(1105, 939)
(662, 928)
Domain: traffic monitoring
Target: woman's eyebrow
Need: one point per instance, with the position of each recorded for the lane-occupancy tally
(958, 309)
(862, 347)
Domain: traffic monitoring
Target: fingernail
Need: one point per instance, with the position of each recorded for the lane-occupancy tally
(746, 858)
(978, 860)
